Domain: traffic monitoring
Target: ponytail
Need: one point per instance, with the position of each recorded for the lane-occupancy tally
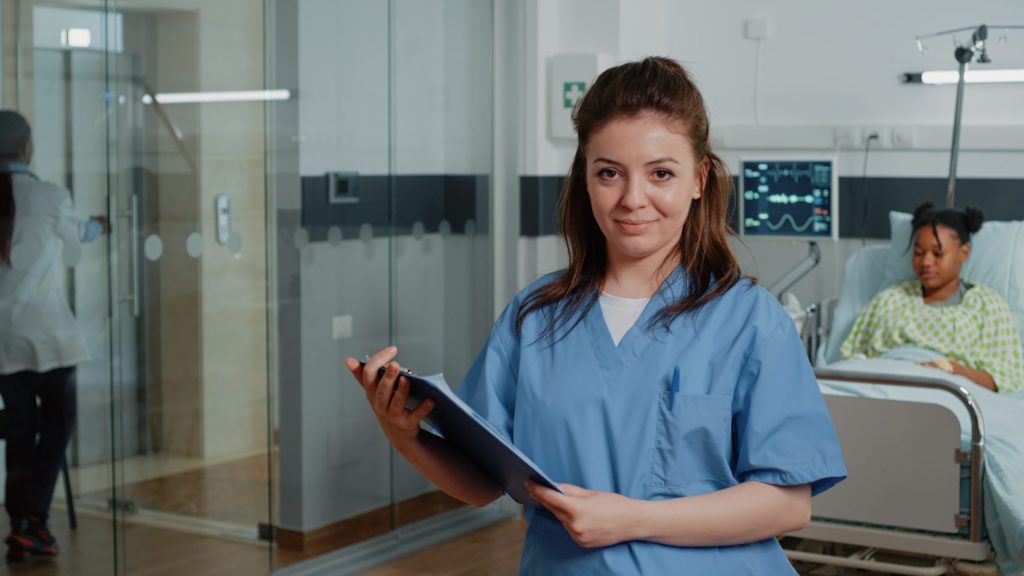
(6, 217)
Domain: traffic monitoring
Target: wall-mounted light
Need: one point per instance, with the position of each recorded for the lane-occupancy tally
(76, 38)
(939, 77)
(208, 97)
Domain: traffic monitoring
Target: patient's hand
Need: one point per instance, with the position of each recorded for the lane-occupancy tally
(979, 377)
(944, 364)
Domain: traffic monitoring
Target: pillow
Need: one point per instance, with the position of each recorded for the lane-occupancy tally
(997, 259)
(862, 279)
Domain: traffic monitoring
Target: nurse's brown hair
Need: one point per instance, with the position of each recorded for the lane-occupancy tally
(660, 86)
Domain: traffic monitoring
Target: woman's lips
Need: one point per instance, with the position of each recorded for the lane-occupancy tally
(634, 226)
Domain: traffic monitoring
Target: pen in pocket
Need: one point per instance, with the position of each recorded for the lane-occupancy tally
(675, 388)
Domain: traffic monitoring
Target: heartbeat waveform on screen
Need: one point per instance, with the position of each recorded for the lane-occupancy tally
(790, 199)
(796, 227)
(812, 173)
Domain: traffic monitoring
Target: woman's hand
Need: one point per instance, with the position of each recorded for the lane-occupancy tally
(951, 366)
(593, 519)
(388, 394)
(944, 364)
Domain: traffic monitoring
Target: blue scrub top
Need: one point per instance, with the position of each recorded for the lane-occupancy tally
(602, 417)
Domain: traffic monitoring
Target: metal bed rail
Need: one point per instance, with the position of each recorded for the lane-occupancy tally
(977, 455)
(872, 539)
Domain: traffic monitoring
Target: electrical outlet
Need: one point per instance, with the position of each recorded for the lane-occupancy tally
(903, 137)
(341, 327)
(881, 137)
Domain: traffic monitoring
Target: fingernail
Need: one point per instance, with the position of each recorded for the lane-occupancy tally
(392, 349)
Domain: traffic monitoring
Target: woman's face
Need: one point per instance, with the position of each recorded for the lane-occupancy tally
(641, 179)
(937, 265)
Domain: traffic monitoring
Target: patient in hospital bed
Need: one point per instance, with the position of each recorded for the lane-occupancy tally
(968, 326)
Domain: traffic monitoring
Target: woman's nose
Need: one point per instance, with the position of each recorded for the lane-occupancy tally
(634, 196)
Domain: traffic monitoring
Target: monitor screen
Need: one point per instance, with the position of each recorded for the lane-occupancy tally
(793, 198)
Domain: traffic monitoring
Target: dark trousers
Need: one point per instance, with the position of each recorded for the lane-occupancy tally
(40, 410)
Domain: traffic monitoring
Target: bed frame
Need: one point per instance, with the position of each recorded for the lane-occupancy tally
(903, 492)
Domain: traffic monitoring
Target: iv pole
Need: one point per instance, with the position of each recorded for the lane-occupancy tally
(964, 54)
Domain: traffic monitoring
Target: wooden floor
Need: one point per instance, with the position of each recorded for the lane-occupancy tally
(234, 492)
(149, 551)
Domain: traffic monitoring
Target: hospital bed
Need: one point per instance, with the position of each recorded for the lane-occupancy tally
(936, 469)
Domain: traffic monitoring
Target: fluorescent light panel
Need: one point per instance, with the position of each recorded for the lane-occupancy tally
(935, 77)
(76, 37)
(233, 96)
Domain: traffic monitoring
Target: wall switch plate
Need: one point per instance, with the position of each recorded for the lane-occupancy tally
(755, 28)
(846, 137)
(341, 327)
(903, 137)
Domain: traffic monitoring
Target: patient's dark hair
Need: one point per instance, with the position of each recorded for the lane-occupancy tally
(963, 223)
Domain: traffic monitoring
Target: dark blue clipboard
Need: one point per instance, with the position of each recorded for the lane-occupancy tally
(455, 421)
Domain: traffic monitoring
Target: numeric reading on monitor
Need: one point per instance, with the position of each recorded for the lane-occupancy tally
(788, 198)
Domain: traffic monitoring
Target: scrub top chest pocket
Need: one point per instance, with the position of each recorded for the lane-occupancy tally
(693, 442)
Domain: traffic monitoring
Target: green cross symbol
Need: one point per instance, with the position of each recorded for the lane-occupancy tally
(572, 92)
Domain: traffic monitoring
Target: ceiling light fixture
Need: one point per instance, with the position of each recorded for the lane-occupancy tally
(215, 97)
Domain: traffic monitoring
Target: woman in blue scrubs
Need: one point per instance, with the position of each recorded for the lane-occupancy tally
(671, 395)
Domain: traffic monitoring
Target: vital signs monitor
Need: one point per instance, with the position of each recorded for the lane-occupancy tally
(793, 198)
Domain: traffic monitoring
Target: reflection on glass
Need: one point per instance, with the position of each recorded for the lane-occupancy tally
(40, 341)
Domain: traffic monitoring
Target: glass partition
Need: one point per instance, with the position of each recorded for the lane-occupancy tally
(287, 182)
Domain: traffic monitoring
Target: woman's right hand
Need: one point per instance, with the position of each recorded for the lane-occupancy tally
(388, 394)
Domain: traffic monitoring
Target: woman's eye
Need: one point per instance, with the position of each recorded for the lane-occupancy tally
(662, 174)
(606, 173)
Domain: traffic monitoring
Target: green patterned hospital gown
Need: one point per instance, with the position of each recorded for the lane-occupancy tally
(980, 332)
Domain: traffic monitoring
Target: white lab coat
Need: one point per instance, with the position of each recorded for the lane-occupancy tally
(37, 330)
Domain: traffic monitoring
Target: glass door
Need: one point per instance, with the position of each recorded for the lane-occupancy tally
(287, 183)
(185, 148)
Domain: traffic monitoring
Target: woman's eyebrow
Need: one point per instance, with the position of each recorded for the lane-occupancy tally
(663, 160)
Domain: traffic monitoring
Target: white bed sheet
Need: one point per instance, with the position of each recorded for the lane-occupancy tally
(1003, 416)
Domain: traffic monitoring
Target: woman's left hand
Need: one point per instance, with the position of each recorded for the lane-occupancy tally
(593, 519)
(944, 364)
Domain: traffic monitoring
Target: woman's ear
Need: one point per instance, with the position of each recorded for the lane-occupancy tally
(702, 177)
(965, 252)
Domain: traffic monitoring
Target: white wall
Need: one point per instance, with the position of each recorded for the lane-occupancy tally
(400, 92)
(439, 110)
(826, 66)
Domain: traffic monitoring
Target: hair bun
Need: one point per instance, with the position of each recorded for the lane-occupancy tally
(973, 218)
(922, 210)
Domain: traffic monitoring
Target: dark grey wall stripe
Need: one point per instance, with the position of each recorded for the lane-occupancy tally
(428, 199)
(538, 198)
(998, 198)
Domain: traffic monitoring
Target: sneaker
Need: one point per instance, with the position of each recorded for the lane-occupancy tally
(15, 552)
(33, 540)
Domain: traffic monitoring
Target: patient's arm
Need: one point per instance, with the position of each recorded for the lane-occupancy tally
(979, 377)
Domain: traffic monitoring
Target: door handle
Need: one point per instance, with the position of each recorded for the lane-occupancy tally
(132, 215)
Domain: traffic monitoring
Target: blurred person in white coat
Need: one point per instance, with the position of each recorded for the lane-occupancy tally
(40, 343)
